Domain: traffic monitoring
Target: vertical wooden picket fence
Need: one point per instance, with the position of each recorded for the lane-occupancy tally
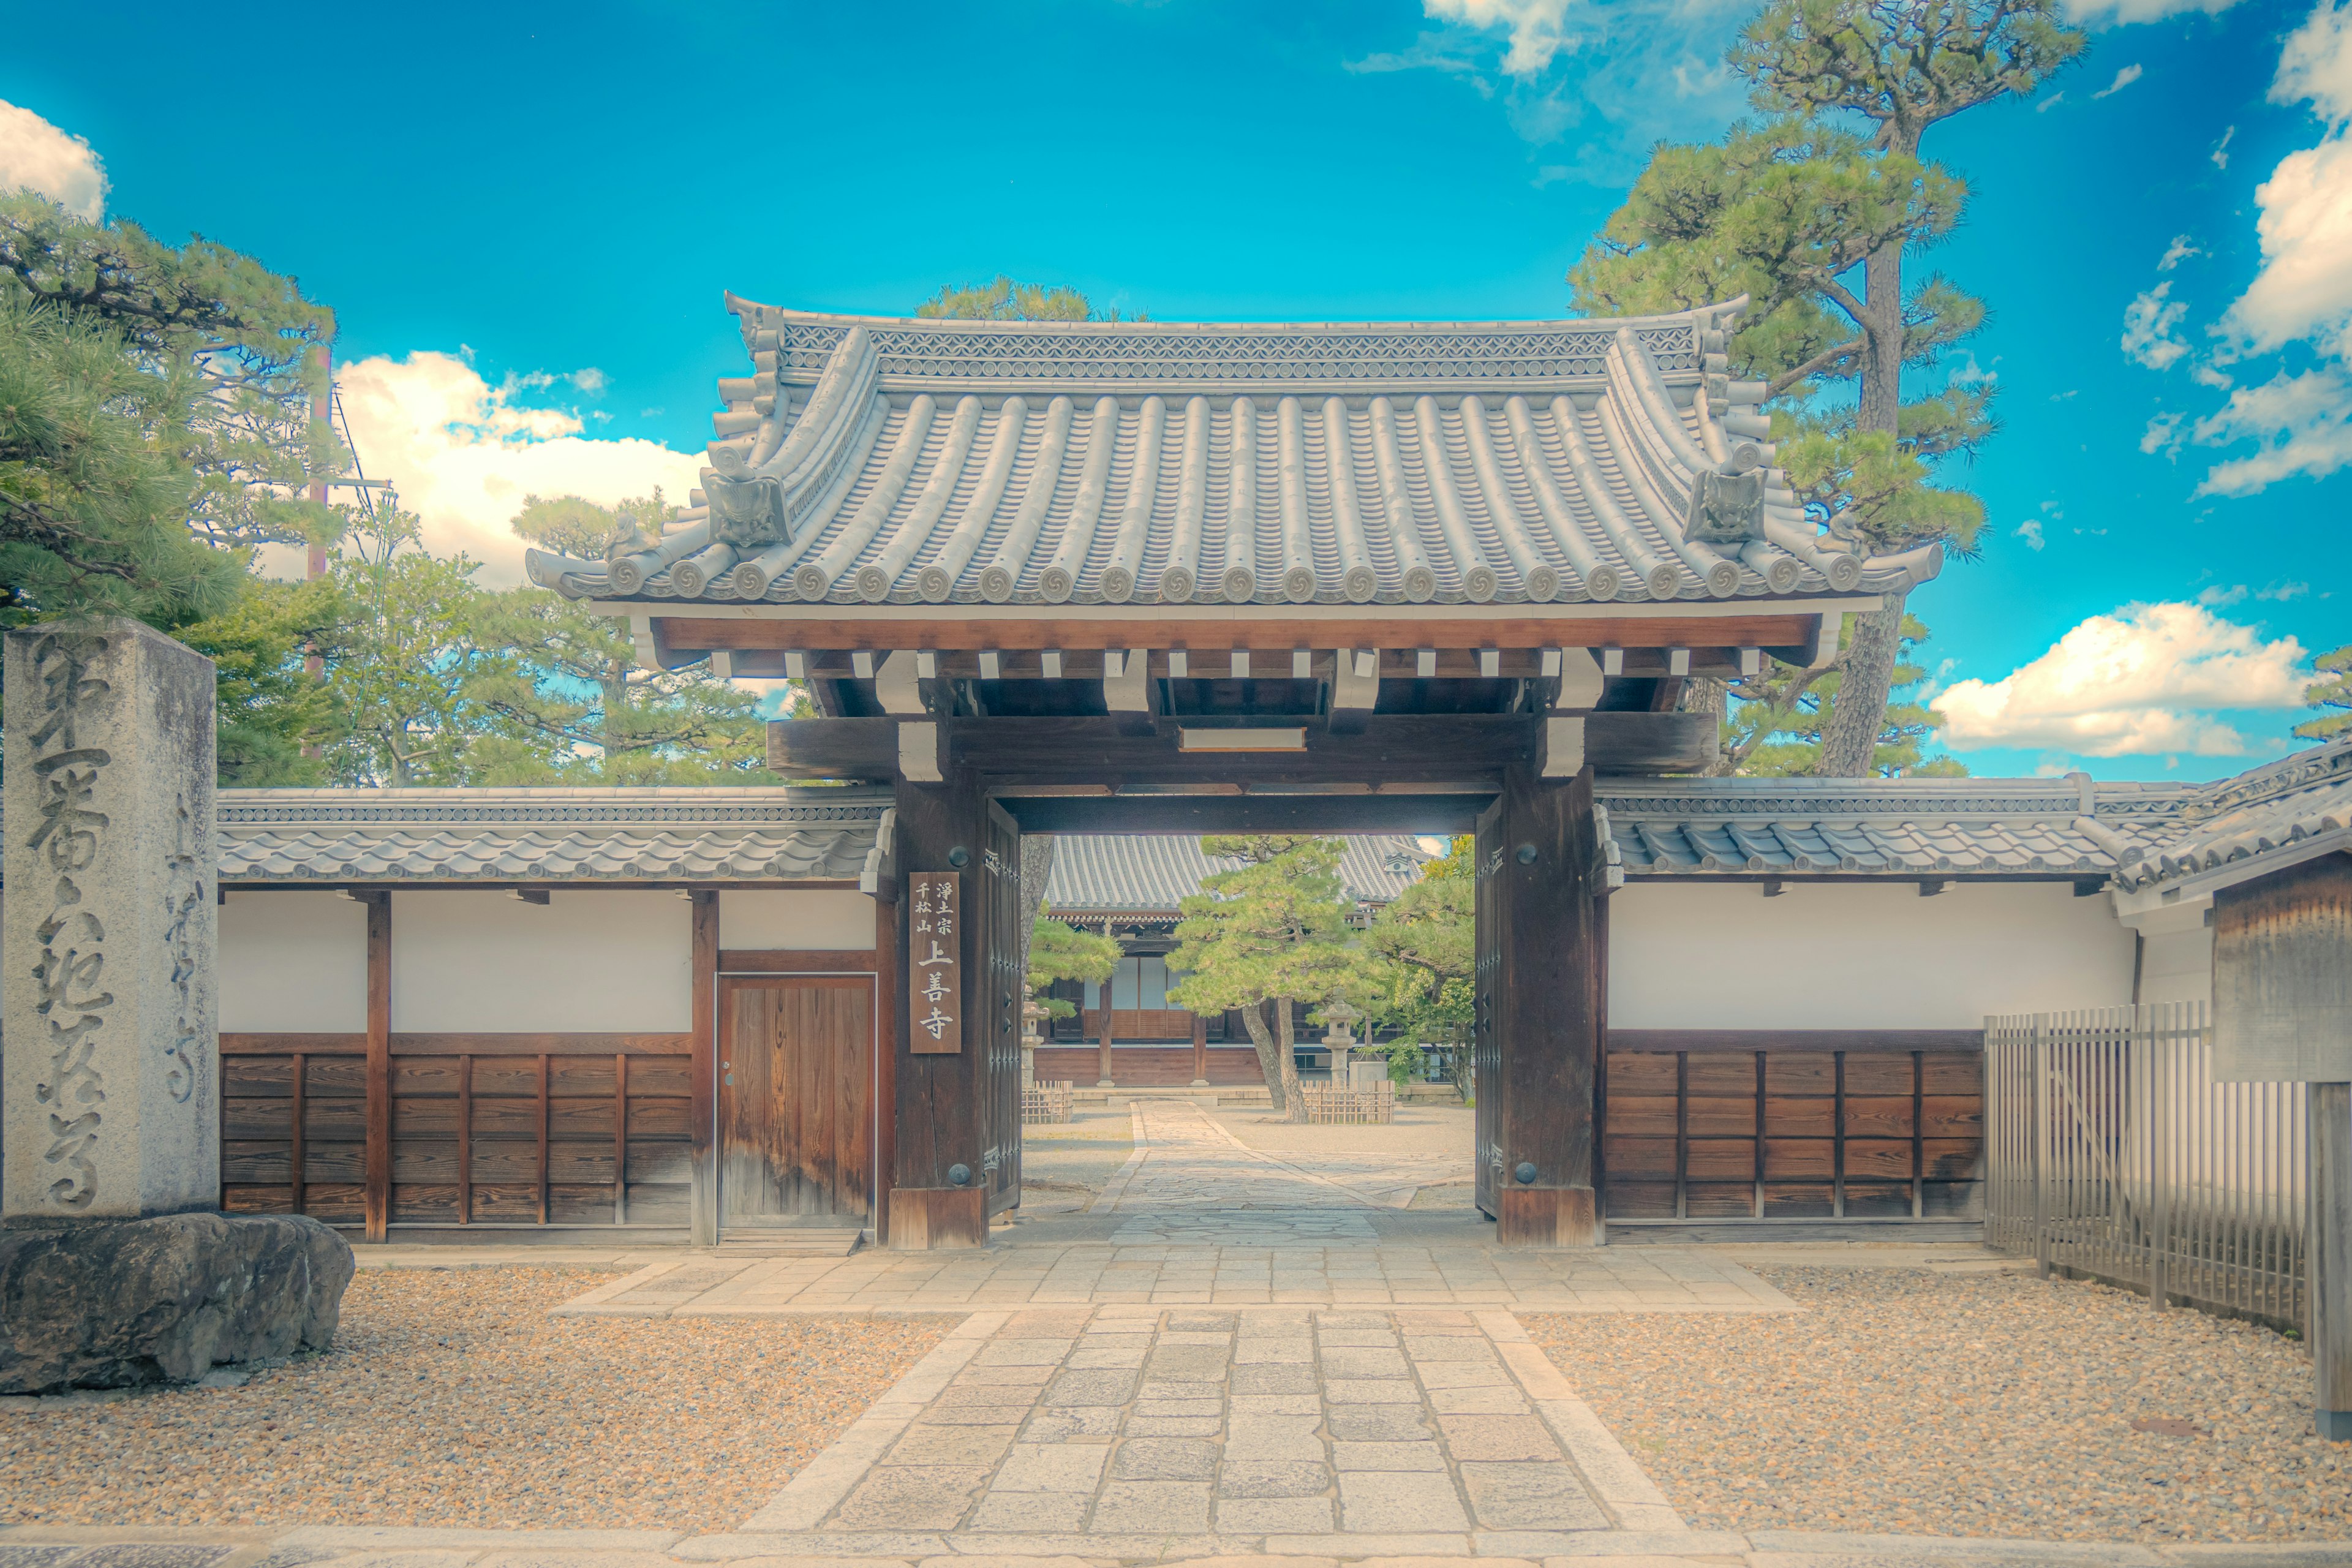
(2113, 1153)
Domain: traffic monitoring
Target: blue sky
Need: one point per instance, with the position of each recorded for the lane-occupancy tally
(526, 222)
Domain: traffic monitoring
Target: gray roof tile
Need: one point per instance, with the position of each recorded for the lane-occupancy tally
(972, 462)
(1152, 873)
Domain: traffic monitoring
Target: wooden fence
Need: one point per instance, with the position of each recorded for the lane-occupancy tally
(2115, 1154)
(1796, 1124)
(1333, 1102)
(1047, 1104)
(492, 1129)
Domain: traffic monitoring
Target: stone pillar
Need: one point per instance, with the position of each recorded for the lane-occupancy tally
(112, 1106)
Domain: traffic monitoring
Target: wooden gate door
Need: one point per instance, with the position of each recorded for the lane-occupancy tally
(997, 1021)
(795, 1101)
(1486, 1053)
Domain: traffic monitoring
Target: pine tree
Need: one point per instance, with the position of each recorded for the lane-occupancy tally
(1427, 938)
(1787, 211)
(568, 696)
(1005, 300)
(1274, 929)
(1774, 727)
(276, 720)
(1059, 951)
(2334, 693)
(155, 414)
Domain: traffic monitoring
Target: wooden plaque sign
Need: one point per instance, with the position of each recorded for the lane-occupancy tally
(934, 967)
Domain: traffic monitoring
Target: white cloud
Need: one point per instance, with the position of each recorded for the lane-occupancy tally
(2123, 12)
(2051, 102)
(2162, 435)
(2220, 154)
(464, 453)
(2148, 678)
(2316, 63)
(1604, 80)
(2179, 251)
(2030, 531)
(1538, 28)
(2303, 424)
(2148, 323)
(2123, 78)
(35, 155)
(2217, 595)
(2304, 288)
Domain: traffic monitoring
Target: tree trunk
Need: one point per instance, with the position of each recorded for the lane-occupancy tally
(1709, 695)
(1262, 1037)
(1285, 1027)
(1858, 713)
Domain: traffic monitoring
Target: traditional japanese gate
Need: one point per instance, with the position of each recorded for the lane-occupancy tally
(1138, 577)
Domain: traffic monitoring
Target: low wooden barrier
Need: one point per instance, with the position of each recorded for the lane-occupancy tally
(1047, 1104)
(1331, 1102)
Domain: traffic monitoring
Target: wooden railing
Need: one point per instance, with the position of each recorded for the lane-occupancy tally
(2115, 1154)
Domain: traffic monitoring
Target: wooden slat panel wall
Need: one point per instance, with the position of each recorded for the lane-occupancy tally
(1794, 1124)
(527, 1129)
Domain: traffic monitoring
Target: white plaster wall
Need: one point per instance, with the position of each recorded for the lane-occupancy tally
(788, 920)
(292, 962)
(589, 960)
(2177, 967)
(1844, 955)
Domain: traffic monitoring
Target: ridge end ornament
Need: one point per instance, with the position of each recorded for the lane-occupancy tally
(747, 510)
(1726, 509)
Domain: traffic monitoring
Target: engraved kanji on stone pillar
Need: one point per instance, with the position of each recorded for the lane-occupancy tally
(112, 1101)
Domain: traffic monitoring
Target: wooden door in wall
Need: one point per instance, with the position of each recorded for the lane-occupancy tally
(795, 1101)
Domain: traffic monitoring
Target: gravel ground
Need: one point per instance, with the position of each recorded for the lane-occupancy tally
(1417, 1129)
(1982, 1405)
(451, 1398)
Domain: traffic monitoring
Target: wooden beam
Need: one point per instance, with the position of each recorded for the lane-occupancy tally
(376, 1203)
(1469, 749)
(1423, 813)
(1280, 631)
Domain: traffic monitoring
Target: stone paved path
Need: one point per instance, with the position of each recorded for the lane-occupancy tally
(1091, 1430)
(1185, 1162)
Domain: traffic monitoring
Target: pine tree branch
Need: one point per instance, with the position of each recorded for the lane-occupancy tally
(1850, 349)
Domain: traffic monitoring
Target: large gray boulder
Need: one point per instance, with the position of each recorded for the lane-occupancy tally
(115, 1303)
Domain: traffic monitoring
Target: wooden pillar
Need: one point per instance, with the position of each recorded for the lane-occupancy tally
(886, 988)
(1102, 1053)
(377, 1166)
(1199, 1051)
(1540, 984)
(937, 1196)
(702, 1065)
(2328, 1111)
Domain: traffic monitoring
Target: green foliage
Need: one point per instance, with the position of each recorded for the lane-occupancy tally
(91, 508)
(404, 666)
(275, 717)
(1773, 728)
(1274, 928)
(2334, 693)
(1059, 950)
(1814, 220)
(1899, 64)
(154, 401)
(1005, 300)
(1426, 938)
(566, 696)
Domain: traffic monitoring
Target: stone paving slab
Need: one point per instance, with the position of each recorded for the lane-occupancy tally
(125, 1546)
(1103, 1424)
